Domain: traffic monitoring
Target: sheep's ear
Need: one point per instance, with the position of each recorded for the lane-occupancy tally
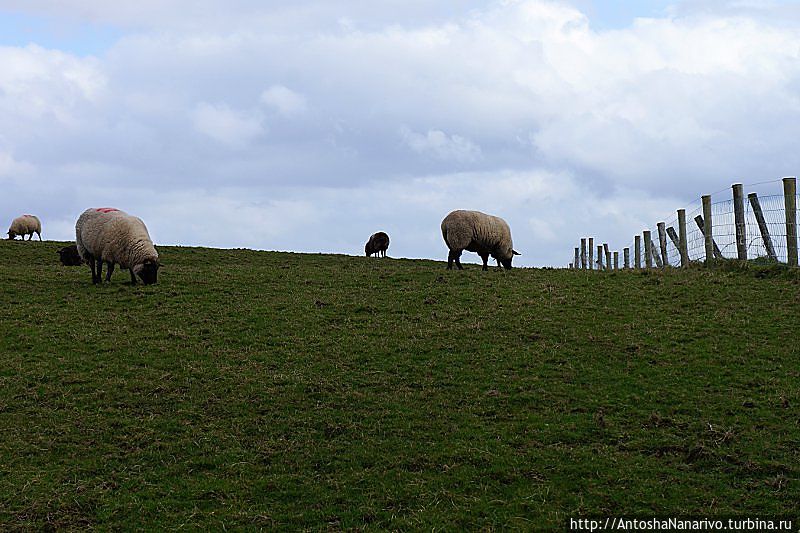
(514, 252)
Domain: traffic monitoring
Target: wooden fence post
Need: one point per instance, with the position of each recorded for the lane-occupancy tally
(591, 253)
(616, 260)
(673, 236)
(790, 207)
(656, 255)
(762, 225)
(708, 228)
(684, 247)
(662, 241)
(583, 253)
(648, 254)
(599, 257)
(701, 224)
(577, 257)
(608, 256)
(741, 225)
(626, 254)
(637, 251)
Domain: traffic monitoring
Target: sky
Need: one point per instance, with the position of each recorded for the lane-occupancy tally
(308, 125)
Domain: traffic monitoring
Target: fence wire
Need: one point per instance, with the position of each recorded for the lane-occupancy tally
(723, 222)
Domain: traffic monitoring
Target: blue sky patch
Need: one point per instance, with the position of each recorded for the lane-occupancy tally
(78, 38)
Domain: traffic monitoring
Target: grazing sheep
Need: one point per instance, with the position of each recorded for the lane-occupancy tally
(477, 232)
(112, 236)
(25, 225)
(69, 256)
(377, 244)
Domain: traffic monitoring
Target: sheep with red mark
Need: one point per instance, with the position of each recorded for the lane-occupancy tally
(108, 235)
(25, 225)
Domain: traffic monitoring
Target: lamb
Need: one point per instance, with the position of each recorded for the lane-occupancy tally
(69, 256)
(25, 225)
(377, 244)
(477, 232)
(112, 236)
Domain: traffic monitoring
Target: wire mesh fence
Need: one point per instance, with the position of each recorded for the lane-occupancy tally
(766, 233)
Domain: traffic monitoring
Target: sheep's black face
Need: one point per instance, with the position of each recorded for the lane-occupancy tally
(507, 262)
(149, 272)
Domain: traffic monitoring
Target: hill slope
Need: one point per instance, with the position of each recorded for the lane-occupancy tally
(253, 389)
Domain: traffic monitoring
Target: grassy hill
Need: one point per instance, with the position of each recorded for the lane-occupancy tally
(260, 389)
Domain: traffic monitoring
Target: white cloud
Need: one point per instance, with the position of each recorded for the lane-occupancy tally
(225, 125)
(516, 107)
(284, 100)
(39, 84)
(11, 169)
(442, 146)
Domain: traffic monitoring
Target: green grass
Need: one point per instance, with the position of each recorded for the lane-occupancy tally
(258, 389)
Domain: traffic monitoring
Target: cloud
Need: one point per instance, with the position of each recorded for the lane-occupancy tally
(516, 107)
(46, 85)
(11, 169)
(225, 125)
(438, 144)
(284, 100)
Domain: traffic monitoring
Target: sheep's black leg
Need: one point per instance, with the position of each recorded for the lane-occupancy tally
(99, 271)
(110, 271)
(40, 236)
(454, 256)
(450, 258)
(133, 277)
(90, 259)
(485, 262)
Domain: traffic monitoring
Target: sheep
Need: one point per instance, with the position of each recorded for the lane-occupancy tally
(377, 244)
(477, 232)
(69, 256)
(112, 236)
(25, 225)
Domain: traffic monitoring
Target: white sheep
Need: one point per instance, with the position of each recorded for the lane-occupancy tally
(25, 225)
(112, 236)
(477, 232)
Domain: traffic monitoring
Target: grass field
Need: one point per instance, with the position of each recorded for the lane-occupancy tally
(258, 389)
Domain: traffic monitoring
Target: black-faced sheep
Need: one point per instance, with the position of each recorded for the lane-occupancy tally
(25, 225)
(377, 244)
(69, 256)
(477, 232)
(112, 236)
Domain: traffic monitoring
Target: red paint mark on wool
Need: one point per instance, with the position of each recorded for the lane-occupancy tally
(106, 209)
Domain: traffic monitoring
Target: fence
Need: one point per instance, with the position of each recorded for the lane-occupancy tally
(751, 227)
